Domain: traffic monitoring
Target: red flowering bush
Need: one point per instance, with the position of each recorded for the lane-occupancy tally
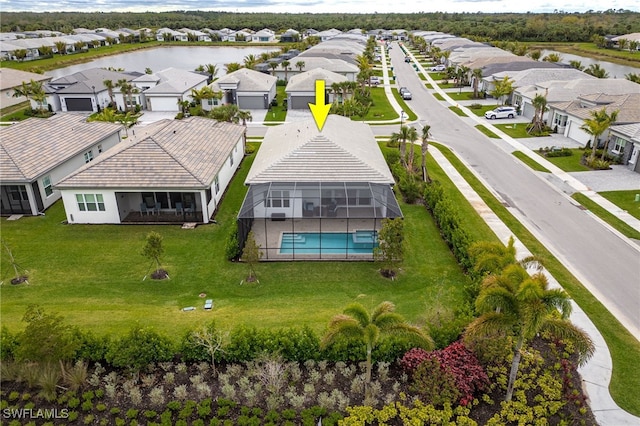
(457, 363)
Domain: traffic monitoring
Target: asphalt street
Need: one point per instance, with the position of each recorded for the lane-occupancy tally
(608, 265)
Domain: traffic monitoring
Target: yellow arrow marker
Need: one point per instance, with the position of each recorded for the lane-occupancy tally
(320, 110)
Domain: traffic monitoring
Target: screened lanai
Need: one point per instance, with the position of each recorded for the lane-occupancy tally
(316, 220)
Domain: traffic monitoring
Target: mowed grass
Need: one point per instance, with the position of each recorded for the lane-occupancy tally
(380, 108)
(92, 275)
(571, 163)
(626, 200)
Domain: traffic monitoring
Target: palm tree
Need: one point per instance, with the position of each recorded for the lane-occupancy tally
(596, 125)
(412, 138)
(300, 65)
(535, 54)
(61, 47)
(273, 65)
(401, 138)
(539, 102)
(633, 77)
(477, 76)
(576, 64)
(356, 323)
(516, 304)
(110, 86)
(212, 70)
(231, 67)
(425, 147)
(285, 66)
(250, 61)
(244, 116)
(597, 71)
(552, 57)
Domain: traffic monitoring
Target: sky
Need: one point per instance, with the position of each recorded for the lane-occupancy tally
(318, 6)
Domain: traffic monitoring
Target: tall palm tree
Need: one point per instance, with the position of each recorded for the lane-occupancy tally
(212, 70)
(412, 137)
(110, 86)
(356, 323)
(285, 66)
(250, 61)
(539, 102)
(477, 76)
(244, 116)
(424, 148)
(516, 304)
(401, 138)
(273, 65)
(597, 124)
(300, 65)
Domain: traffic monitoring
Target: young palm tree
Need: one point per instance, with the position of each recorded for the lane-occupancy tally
(477, 76)
(356, 323)
(250, 61)
(300, 65)
(232, 66)
(552, 57)
(110, 86)
(539, 102)
(412, 138)
(596, 125)
(285, 66)
(244, 116)
(425, 147)
(514, 303)
(401, 138)
(212, 70)
(597, 71)
(576, 64)
(273, 65)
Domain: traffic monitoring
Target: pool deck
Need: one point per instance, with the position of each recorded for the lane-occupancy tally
(268, 235)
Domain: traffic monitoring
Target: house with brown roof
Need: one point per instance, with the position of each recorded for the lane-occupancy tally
(167, 172)
(36, 153)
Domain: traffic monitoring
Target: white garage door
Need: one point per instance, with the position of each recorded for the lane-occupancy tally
(576, 133)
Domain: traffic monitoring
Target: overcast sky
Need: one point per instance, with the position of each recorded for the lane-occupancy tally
(317, 6)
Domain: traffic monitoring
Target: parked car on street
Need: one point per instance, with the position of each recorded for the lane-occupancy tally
(501, 112)
(402, 90)
(407, 59)
(406, 95)
(438, 67)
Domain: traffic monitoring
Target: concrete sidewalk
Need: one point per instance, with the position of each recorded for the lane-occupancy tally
(596, 374)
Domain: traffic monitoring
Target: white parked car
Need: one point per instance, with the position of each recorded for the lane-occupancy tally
(438, 67)
(406, 95)
(501, 112)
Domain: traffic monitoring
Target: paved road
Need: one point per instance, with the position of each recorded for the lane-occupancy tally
(605, 263)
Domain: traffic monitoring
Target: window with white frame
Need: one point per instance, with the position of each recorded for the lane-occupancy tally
(618, 145)
(90, 202)
(212, 102)
(278, 198)
(560, 120)
(216, 184)
(46, 184)
(88, 156)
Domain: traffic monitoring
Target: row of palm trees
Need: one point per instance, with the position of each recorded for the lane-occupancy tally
(32, 90)
(409, 134)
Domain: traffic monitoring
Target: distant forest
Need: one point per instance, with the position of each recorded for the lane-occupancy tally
(555, 27)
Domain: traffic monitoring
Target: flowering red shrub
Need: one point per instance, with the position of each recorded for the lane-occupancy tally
(456, 361)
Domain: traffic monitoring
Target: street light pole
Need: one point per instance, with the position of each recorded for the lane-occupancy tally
(401, 118)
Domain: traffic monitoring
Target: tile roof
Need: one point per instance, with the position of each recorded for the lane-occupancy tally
(572, 89)
(34, 146)
(167, 154)
(10, 78)
(174, 80)
(249, 81)
(345, 151)
(306, 81)
(628, 107)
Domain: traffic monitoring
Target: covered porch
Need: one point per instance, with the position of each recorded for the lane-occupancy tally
(160, 207)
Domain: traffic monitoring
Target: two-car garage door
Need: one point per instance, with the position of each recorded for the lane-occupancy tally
(78, 104)
(252, 102)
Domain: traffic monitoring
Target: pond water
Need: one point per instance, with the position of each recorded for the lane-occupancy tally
(183, 57)
(614, 70)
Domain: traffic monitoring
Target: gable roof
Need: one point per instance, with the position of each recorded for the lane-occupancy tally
(167, 154)
(345, 151)
(248, 81)
(174, 80)
(537, 75)
(570, 90)
(628, 106)
(85, 81)
(34, 146)
(10, 78)
(306, 81)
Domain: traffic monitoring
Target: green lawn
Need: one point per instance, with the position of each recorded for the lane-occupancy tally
(438, 96)
(626, 200)
(457, 110)
(464, 96)
(487, 132)
(571, 163)
(624, 348)
(92, 274)
(482, 109)
(381, 109)
(530, 162)
(405, 106)
(515, 130)
(277, 113)
(604, 214)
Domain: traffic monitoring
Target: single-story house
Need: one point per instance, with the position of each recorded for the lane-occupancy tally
(195, 34)
(301, 89)
(11, 79)
(290, 36)
(167, 34)
(246, 88)
(166, 87)
(305, 185)
(567, 118)
(84, 91)
(339, 66)
(36, 153)
(168, 171)
(625, 141)
(263, 36)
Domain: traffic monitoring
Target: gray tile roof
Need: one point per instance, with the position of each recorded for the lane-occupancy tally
(537, 75)
(569, 90)
(306, 81)
(167, 154)
(628, 107)
(10, 78)
(248, 81)
(35, 146)
(630, 130)
(345, 151)
(173, 80)
(335, 65)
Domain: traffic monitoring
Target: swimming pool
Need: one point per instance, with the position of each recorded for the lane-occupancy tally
(359, 242)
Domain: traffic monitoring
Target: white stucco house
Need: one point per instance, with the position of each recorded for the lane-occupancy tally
(167, 172)
(162, 90)
(36, 153)
(246, 88)
(11, 79)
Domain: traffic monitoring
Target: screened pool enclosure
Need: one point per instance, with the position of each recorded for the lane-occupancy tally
(316, 220)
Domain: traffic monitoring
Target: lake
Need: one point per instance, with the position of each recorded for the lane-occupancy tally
(183, 57)
(614, 70)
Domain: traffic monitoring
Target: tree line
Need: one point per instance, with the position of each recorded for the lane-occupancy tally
(559, 26)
